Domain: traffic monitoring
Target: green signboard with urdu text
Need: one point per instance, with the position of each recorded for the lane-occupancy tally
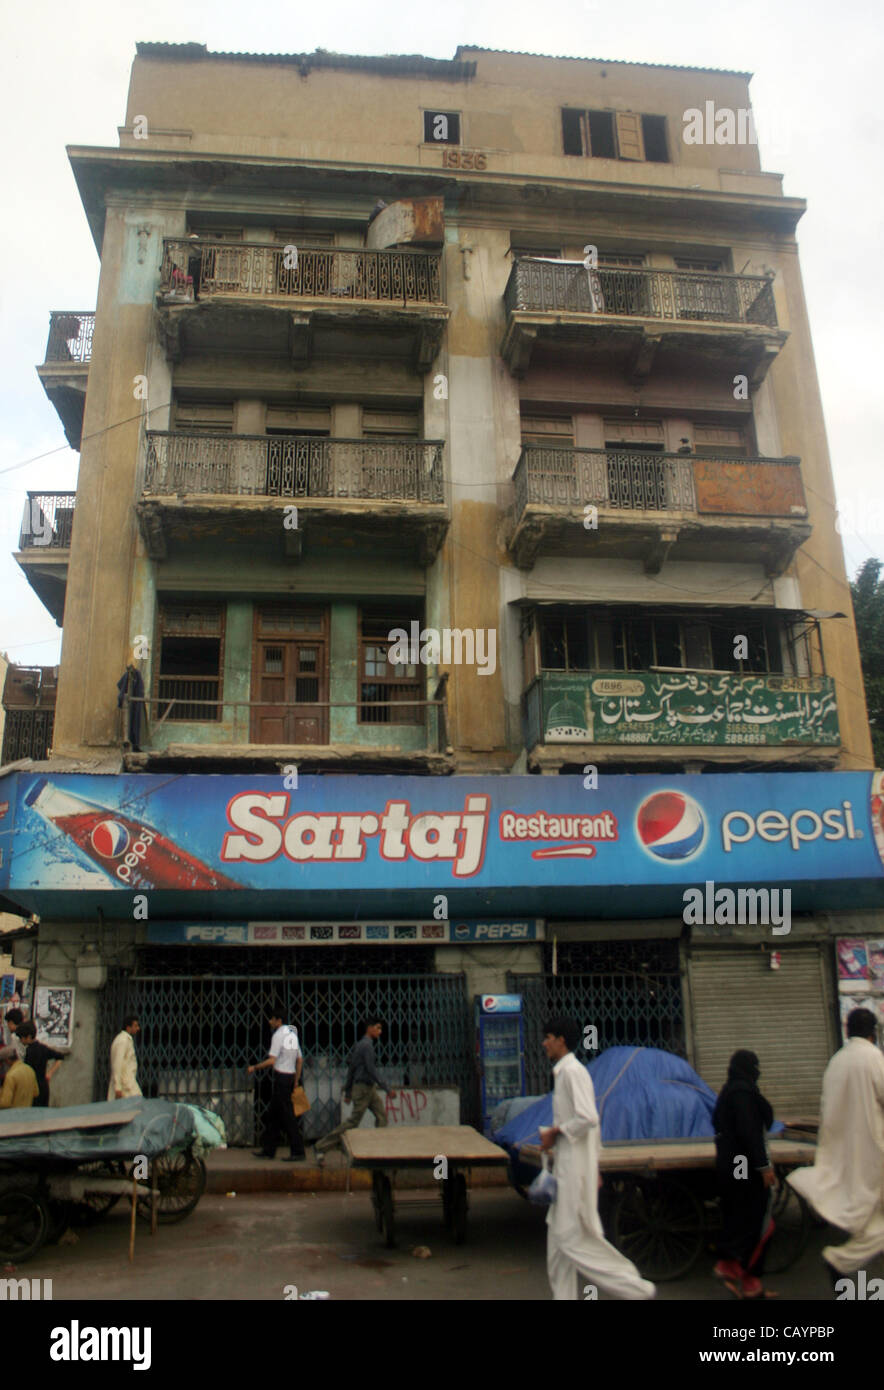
(688, 707)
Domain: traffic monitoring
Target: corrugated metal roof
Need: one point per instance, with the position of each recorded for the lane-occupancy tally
(609, 62)
(391, 65)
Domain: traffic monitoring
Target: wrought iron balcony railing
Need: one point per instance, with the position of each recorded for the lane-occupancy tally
(638, 481)
(542, 286)
(70, 336)
(48, 521)
(390, 277)
(260, 465)
(27, 733)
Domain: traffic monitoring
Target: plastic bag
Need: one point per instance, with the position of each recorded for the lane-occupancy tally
(543, 1189)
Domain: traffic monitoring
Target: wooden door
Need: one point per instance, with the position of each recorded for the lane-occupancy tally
(290, 677)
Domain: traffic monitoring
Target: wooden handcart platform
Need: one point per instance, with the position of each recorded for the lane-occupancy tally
(454, 1149)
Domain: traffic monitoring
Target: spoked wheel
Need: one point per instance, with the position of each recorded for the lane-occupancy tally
(658, 1224)
(92, 1206)
(24, 1224)
(791, 1218)
(181, 1180)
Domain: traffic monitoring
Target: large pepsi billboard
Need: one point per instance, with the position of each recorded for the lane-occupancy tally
(335, 847)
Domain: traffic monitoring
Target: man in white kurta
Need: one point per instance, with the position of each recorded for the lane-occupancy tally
(846, 1183)
(575, 1240)
(124, 1063)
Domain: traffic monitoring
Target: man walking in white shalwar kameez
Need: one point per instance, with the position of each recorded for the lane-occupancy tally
(575, 1240)
(846, 1182)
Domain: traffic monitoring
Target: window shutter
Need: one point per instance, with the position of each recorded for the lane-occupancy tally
(629, 135)
(404, 422)
(633, 432)
(198, 415)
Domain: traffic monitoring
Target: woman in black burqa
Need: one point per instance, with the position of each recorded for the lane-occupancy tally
(746, 1178)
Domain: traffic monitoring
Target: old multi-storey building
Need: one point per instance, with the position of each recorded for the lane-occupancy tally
(485, 347)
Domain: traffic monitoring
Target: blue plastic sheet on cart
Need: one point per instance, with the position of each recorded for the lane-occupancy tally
(640, 1092)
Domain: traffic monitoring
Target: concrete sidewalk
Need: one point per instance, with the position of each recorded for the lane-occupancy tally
(237, 1170)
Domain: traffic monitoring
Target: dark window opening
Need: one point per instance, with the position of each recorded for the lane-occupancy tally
(190, 678)
(572, 135)
(602, 144)
(654, 132)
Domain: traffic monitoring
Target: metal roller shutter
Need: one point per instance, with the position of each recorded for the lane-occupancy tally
(785, 1016)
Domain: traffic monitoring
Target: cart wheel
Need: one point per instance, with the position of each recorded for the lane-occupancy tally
(459, 1208)
(377, 1187)
(93, 1206)
(24, 1223)
(385, 1201)
(181, 1180)
(658, 1224)
(791, 1217)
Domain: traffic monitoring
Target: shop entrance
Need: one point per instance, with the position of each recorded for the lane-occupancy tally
(199, 1032)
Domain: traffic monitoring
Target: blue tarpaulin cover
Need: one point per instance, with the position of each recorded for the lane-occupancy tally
(640, 1092)
(158, 1125)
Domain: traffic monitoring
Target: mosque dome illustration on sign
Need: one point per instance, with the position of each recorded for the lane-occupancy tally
(566, 723)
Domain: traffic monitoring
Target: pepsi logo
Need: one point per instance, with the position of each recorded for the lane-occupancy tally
(489, 1003)
(110, 839)
(670, 825)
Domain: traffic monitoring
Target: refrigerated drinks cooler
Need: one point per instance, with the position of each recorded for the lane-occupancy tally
(500, 1043)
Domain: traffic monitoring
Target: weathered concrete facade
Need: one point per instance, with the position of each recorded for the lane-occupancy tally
(398, 417)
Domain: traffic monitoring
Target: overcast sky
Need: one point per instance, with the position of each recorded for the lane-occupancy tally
(817, 99)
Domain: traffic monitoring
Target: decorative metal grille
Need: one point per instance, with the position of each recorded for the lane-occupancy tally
(538, 286)
(27, 733)
(48, 521)
(199, 1033)
(617, 479)
(275, 466)
(407, 277)
(633, 999)
(70, 337)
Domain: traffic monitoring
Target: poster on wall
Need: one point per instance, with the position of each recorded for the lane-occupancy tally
(54, 1015)
(852, 962)
(875, 953)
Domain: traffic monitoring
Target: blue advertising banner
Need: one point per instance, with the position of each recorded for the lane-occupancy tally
(246, 848)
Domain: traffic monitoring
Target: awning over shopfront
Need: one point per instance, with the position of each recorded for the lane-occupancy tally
(216, 848)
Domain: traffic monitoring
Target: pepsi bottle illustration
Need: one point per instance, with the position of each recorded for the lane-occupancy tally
(131, 852)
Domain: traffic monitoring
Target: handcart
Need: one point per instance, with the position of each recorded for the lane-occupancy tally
(449, 1150)
(659, 1202)
(70, 1166)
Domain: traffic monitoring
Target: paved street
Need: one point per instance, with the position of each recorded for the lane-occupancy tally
(252, 1246)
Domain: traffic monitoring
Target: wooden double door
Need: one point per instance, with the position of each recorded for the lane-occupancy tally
(290, 676)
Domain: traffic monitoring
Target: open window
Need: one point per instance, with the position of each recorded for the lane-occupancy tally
(389, 692)
(191, 641)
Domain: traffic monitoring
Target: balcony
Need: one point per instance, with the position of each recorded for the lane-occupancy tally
(727, 717)
(45, 546)
(188, 727)
(332, 302)
(642, 316)
(346, 492)
(657, 506)
(66, 368)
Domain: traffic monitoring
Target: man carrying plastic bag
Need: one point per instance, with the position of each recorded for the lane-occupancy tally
(575, 1240)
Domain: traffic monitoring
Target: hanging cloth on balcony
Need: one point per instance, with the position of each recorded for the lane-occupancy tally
(130, 684)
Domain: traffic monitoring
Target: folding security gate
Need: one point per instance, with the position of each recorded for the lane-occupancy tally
(199, 1033)
(637, 1003)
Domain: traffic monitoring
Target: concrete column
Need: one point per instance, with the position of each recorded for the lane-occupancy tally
(486, 967)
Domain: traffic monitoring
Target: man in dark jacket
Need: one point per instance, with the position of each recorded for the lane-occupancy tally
(746, 1178)
(362, 1084)
(37, 1055)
